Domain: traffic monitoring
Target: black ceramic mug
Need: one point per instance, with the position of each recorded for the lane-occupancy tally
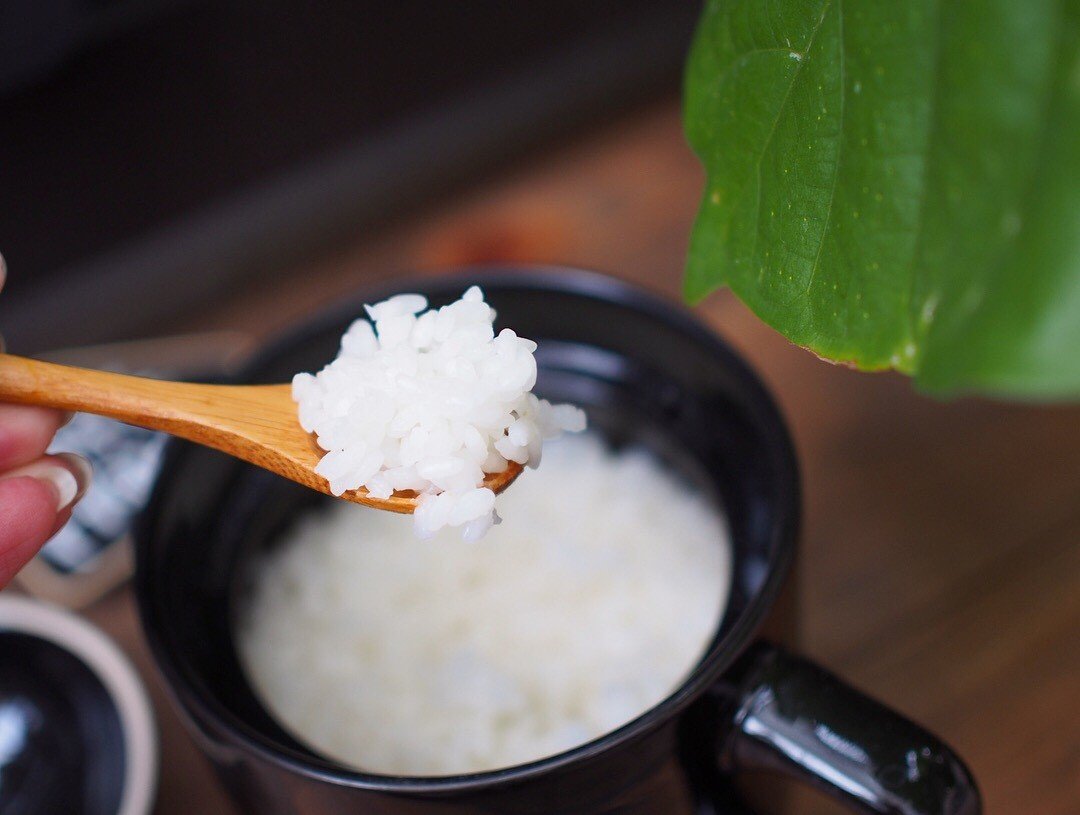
(648, 373)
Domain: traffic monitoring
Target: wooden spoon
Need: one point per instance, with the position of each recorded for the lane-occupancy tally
(256, 423)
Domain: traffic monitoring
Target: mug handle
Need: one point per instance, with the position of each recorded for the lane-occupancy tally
(793, 717)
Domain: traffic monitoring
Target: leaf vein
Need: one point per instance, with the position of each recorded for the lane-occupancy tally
(772, 132)
(738, 62)
(839, 150)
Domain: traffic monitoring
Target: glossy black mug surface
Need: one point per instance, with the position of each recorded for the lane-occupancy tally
(647, 373)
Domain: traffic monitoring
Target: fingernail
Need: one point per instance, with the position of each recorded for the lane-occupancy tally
(84, 473)
(67, 416)
(70, 478)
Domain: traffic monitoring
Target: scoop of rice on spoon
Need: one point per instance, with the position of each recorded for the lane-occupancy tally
(422, 411)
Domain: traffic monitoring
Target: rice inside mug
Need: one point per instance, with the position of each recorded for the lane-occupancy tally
(589, 604)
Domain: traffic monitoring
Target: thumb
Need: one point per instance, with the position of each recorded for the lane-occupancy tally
(35, 501)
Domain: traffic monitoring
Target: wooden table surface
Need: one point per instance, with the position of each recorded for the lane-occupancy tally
(941, 552)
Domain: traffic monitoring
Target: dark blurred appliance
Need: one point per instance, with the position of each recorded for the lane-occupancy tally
(153, 153)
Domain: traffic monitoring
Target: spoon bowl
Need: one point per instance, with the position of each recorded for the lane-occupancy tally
(256, 423)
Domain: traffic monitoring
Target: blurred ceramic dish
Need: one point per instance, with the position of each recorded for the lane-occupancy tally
(77, 731)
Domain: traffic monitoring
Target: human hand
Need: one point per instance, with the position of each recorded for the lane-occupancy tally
(37, 491)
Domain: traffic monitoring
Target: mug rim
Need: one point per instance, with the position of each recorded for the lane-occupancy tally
(200, 706)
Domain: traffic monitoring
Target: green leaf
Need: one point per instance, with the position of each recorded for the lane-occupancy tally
(896, 183)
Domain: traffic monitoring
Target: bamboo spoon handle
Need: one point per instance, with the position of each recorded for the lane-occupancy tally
(256, 423)
(175, 407)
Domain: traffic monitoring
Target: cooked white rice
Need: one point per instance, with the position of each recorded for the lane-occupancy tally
(589, 605)
(429, 401)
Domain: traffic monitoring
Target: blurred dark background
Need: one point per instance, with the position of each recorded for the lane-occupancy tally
(153, 154)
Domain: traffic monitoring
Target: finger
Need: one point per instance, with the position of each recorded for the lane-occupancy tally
(35, 500)
(25, 433)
